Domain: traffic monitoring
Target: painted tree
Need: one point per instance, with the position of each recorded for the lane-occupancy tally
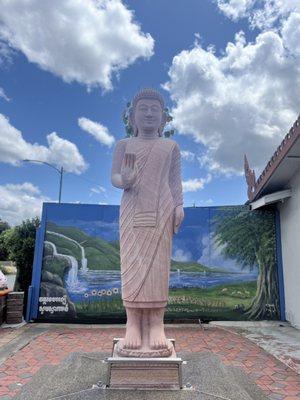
(249, 238)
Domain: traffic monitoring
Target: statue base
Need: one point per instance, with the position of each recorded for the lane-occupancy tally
(145, 371)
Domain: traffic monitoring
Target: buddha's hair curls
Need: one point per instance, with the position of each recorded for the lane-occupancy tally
(148, 93)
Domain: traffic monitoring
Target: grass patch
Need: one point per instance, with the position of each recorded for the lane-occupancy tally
(226, 301)
(207, 304)
(102, 307)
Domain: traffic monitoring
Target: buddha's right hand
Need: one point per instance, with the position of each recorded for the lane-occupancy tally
(128, 170)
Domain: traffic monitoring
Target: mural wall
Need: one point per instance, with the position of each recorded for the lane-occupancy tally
(223, 265)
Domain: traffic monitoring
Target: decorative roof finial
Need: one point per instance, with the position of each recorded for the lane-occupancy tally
(250, 178)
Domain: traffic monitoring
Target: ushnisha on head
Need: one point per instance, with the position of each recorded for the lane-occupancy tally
(148, 112)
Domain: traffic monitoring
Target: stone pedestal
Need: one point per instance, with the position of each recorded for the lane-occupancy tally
(144, 372)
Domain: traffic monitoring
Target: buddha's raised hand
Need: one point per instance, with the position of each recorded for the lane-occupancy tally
(128, 170)
(178, 218)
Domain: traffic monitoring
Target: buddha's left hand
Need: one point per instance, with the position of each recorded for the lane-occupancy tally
(178, 217)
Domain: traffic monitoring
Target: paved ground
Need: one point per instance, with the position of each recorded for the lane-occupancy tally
(26, 353)
(277, 338)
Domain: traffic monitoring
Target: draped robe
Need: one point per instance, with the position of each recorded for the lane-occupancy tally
(147, 219)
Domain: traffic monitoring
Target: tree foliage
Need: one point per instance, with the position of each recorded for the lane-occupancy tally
(4, 226)
(249, 238)
(19, 244)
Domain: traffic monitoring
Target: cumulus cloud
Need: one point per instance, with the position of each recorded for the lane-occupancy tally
(3, 95)
(61, 152)
(20, 201)
(262, 14)
(192, 185)
(83, 41)
(6, 52)
(181, 255)
(242, 101)
(291, 34)
(97, 130)
(212, 255)
(235, 9)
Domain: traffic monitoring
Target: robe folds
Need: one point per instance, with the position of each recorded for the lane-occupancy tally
(146, 221)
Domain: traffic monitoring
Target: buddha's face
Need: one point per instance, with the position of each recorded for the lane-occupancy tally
(148, 115)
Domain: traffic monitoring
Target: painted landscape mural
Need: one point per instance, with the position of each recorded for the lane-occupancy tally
(223, 266)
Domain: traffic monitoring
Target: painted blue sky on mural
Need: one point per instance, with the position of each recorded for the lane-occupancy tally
(194, 242)
(228, 69)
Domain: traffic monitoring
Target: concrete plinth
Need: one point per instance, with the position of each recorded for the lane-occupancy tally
(143, 373)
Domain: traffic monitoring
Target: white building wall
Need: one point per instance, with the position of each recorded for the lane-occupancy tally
(290, 238)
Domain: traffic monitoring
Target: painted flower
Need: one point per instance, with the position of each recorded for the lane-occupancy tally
(115, 290)
(103, 291)
(94, 292)
(109, 293)
(86, 295)
(100, 293)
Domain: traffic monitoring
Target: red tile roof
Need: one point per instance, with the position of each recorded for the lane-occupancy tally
(256, 186)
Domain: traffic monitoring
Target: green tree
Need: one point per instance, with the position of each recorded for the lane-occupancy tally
(19, 243)
(249, 238)
(4, 226)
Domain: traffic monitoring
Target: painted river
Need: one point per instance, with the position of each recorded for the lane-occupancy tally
(97, 284)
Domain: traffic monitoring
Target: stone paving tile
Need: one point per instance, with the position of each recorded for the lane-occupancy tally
(277, 380)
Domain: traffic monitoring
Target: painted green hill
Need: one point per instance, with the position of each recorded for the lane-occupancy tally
(192, 266)
(99, 253)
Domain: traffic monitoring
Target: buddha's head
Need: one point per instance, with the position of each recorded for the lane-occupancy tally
(148, 113)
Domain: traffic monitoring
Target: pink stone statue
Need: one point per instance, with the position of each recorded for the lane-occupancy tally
(148, 168)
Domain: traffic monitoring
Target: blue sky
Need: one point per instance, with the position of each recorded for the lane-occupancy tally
(223, 69)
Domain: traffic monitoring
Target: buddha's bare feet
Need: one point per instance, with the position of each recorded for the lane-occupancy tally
(133, 338)
(157, 337)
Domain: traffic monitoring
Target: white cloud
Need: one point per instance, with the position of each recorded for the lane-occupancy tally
(6, 53)
(181, 255)
(98, 189)
(212, 255)
(3, 95)
(242, 101)
(20, 201)
(235, 9)
(98, 131)
(84, 41)
(61, 152)
(192, 185)
(262, 14)
(207, 202)
(187, 155)
(291, 34)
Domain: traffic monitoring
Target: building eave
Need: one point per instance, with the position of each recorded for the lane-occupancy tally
(257, 188)
(271, 199)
